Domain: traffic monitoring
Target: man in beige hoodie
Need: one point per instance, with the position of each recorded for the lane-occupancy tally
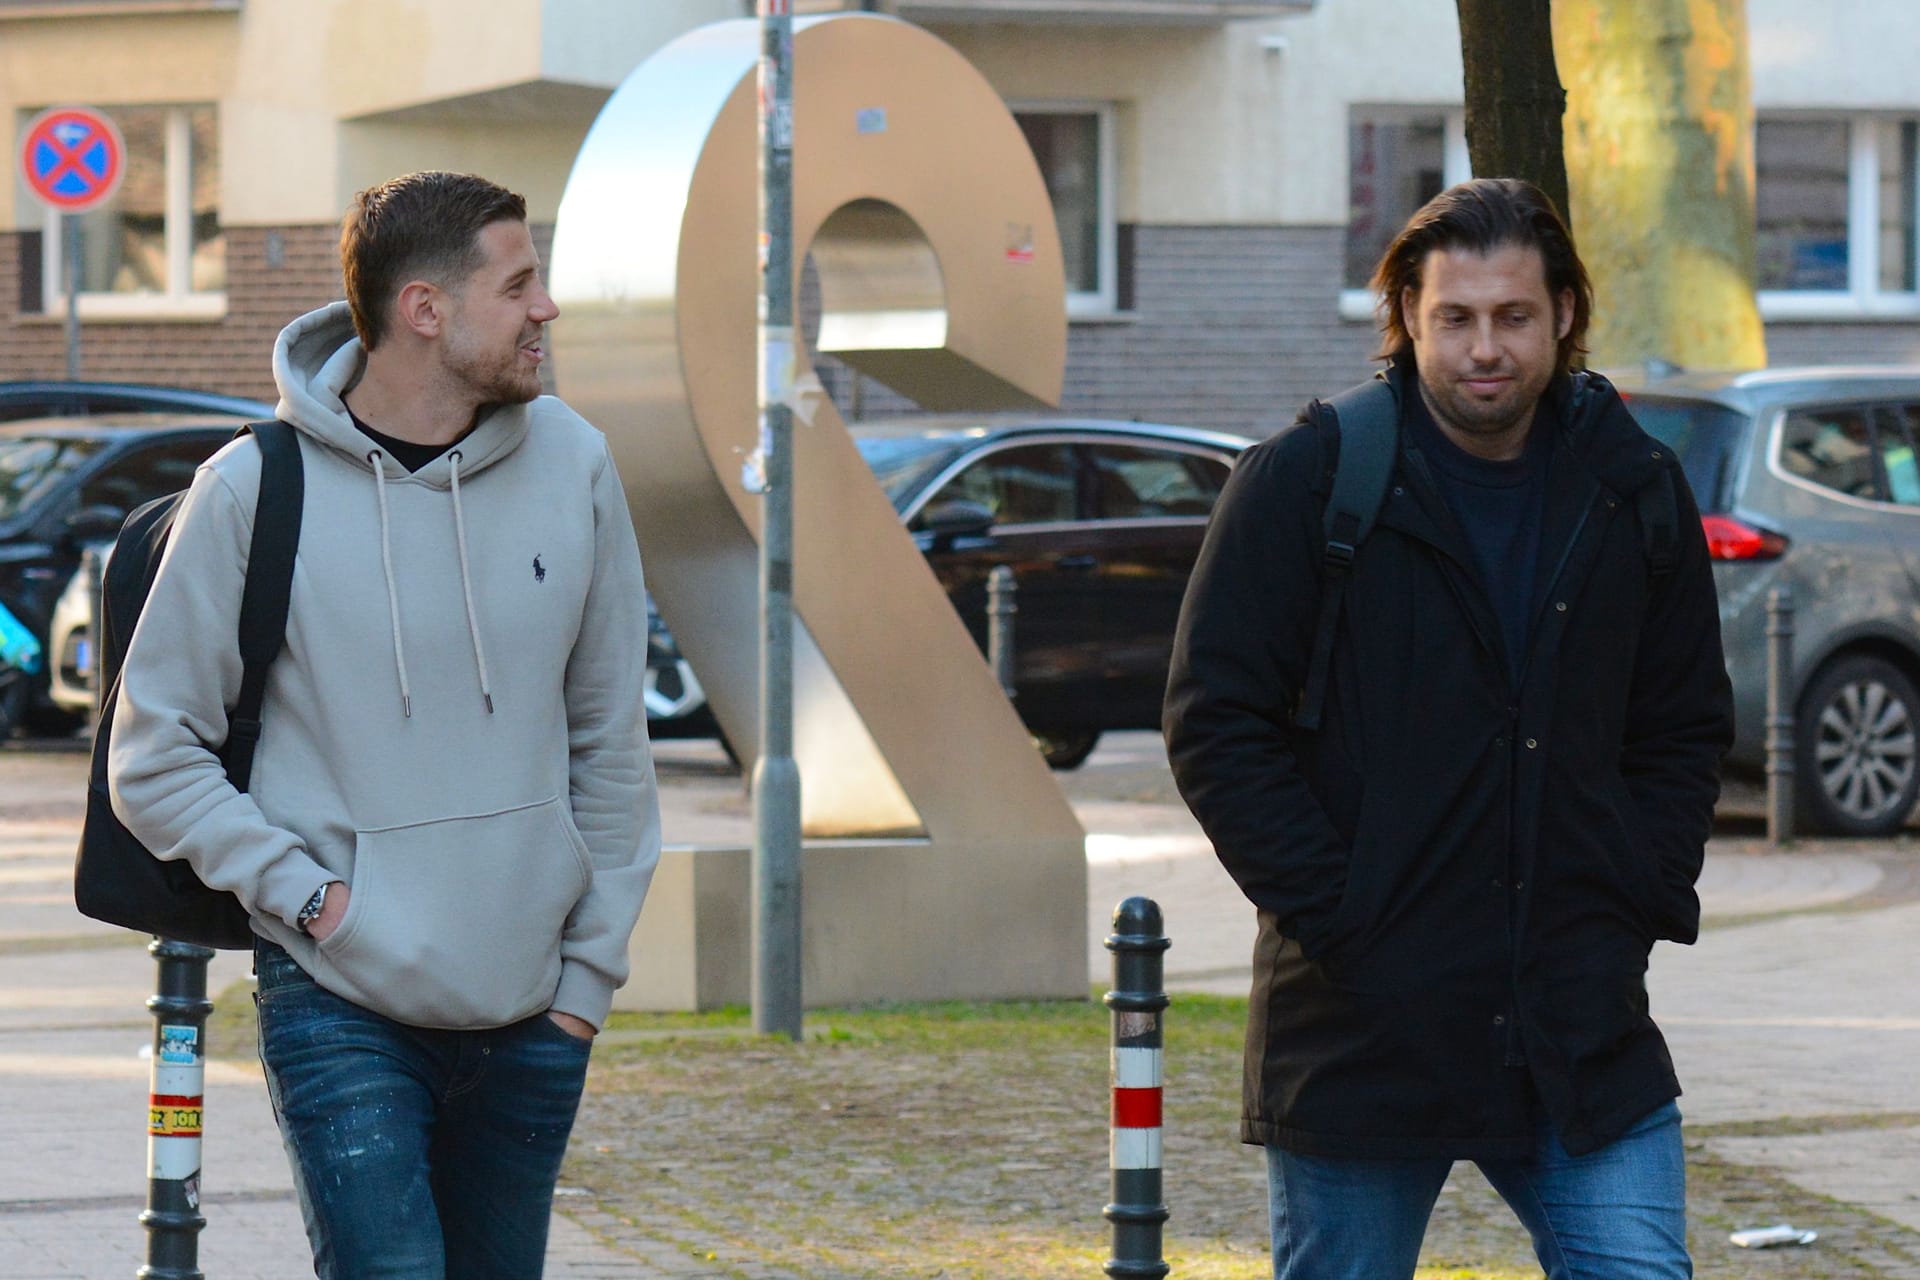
(452, 820)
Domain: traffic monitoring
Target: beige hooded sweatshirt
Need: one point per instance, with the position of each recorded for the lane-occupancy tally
(455, 726)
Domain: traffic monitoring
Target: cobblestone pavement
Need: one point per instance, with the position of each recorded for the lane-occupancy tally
(1795, 1023)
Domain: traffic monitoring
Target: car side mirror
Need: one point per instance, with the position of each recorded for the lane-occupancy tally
(959, 518)
(97, 523)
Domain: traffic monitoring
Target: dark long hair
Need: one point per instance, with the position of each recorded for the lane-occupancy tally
(1480, 216)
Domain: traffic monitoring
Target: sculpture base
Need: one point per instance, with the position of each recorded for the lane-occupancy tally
(880, 920)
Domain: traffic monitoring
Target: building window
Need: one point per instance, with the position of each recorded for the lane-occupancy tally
(1398, 158)
(1074, 147)
(1835, 203)
(157, 247)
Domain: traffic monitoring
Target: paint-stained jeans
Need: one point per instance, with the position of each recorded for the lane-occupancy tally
(417, 1154)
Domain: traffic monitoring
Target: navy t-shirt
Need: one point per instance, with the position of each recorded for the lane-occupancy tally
(1499, 506)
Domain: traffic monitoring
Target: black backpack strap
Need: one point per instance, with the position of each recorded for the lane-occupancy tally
(1366, 420)
(1659, 511)
(269, 589)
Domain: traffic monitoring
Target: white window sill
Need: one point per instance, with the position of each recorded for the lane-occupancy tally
(193, 308)
(1359, 304)
(1108, 317)
(1789, 305)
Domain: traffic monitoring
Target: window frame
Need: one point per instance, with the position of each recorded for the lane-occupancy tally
(1863, 298)
(1456, 166)
(1104, 300)
(179, 301)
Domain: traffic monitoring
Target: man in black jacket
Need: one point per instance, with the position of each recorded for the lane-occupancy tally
(1460, 872)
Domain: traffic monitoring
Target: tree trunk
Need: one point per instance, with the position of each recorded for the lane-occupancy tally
(1660, 153)
(1514, 98)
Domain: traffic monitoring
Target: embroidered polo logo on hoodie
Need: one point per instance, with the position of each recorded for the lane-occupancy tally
(539, 570)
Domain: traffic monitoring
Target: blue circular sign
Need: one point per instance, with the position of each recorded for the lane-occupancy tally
(73, 158)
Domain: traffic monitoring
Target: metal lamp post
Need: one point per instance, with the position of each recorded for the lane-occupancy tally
(776, 776)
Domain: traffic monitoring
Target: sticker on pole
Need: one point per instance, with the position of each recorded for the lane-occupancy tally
(73, 158)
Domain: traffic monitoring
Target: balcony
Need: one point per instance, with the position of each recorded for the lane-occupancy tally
(1136, 12)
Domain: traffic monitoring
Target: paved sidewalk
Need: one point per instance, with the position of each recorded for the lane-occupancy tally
(1796, 1009)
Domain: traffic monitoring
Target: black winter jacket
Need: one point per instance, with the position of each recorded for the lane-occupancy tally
(1458, 881)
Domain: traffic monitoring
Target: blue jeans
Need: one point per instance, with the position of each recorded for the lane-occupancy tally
(417, 1154)
(1619, 1213)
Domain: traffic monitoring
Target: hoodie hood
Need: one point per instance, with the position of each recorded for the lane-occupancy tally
(318, 358)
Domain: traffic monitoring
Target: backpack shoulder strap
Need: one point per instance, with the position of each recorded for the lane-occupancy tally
(269, 590)
(1366, 421)
(1659, 511)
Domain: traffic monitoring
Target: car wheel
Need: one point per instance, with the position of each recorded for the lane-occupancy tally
(1855, 748)
(1065, 748)
(16, 693)
(50, 721)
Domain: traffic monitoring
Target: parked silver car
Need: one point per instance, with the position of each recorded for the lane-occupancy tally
(1808, 479)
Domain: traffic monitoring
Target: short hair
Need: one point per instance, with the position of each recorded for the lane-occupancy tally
(1482, 215)
(420, 226)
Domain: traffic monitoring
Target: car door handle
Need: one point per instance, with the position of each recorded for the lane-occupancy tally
(1078, 563)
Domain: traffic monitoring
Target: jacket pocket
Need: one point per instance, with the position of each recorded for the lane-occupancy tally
(456, 922)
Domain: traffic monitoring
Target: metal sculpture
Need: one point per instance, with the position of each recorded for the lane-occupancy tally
(940, 275)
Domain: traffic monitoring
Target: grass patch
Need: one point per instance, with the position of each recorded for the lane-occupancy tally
(49, 943)
(230, 1027)
(968, 1140)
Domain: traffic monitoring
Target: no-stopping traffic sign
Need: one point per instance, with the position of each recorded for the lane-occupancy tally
(73, 158)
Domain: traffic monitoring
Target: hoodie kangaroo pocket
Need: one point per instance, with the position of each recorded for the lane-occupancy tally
(456, 922)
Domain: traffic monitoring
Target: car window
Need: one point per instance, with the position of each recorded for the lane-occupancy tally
(1710, 439)
(140, 477)
(1136, 483)
(1897, 455)
(30, 467)
(1027, 484)
(904, 463)
(1832, 448)
(52, 405)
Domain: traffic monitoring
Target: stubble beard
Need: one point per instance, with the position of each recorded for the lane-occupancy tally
(495, 381)
(1456, 408)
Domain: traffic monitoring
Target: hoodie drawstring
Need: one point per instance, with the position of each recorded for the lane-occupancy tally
(466, 583)
(393, 596)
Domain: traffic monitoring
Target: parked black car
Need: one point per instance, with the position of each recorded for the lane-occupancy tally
(1101, 522)
(1807, 479)
(67, 482)
(49, 398)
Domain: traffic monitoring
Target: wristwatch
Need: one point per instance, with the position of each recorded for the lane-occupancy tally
(315, 905)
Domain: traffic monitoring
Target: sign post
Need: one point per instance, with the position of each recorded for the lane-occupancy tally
(776, 776)
(73, 159)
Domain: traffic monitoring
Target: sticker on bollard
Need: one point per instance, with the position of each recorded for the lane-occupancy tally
(174, 1115)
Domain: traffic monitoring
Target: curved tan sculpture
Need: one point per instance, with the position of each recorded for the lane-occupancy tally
(940, 274)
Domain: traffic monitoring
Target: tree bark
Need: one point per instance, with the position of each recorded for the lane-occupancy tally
(1660, 152)
(1514, 97)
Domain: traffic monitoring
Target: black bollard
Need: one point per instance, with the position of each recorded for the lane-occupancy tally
(90, 569)
(180, 1008)
(1780, 726)
(1001, 606)
(1137, 1211)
